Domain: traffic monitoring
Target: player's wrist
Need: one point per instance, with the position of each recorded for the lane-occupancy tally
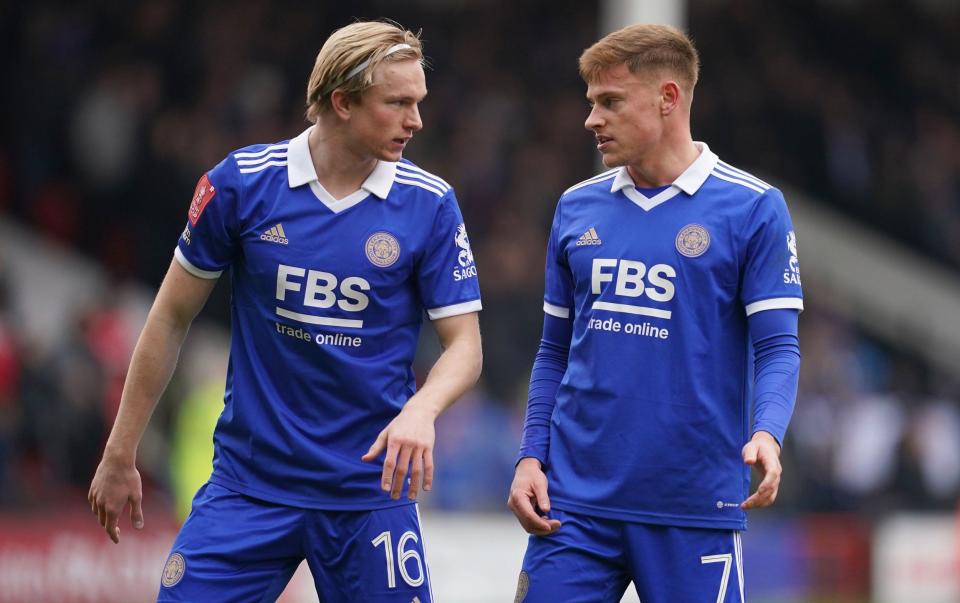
(530, 462)
(119, 455)
(762, 435)
(425, 406)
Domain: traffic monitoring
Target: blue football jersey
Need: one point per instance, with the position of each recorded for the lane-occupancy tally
(654, 407)
(327, 301)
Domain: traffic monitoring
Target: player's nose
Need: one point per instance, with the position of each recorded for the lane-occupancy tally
(413, 122)
(593, 120)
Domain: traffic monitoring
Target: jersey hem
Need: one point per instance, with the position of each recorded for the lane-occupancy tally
(308, 503)
(641, 517)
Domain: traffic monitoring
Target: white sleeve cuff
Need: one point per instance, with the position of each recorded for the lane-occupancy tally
(197, 272)
(455, 310)
(777, 303)
(558, 311)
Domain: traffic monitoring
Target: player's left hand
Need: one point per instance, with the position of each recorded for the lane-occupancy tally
(764, 451)
(408, 440)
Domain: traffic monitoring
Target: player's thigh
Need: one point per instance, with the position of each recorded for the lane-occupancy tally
(580, 563)
(377, 556)
(232, 548)
(685, 565)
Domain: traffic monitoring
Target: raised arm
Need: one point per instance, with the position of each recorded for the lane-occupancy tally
(117, 481)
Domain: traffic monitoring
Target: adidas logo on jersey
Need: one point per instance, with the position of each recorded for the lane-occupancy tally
(589, 238)
(275, 235)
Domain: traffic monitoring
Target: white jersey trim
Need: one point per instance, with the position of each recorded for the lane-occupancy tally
(738, 555)
(741, 176)
(558, 311)
(743, 183)
(262, 166)
(197, 272)
(267, 157)
(455, 310)
(737, 171)
(423, 547)
(419, 184)
(420, 177)
(777, 303)
(598, 178)
(270, 149)
(417, 171)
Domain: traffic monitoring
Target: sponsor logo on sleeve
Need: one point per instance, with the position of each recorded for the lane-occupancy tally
(791, 275)
(467, 268)
(201, 196)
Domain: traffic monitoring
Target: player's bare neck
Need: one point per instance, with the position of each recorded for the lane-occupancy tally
(664, 166)
(339, 171)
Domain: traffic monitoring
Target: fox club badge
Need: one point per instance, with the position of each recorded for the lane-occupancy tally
(382, 249)
(173, 570)
(693, 240)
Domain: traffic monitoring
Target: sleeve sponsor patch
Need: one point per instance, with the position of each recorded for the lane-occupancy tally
(201, 196)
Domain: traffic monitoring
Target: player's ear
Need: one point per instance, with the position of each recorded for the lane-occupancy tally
(669, 97)
(342, 103)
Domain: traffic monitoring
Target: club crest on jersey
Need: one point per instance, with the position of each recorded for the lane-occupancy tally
(382, 249)
(693, 240)
(173, 570)
(201, 196)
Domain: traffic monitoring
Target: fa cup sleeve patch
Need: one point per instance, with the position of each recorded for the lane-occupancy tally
(201, 196)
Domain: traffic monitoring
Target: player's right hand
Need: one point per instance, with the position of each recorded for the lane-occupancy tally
(528, 493)
(114, 485)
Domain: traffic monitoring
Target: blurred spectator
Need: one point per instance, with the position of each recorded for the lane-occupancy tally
(10, 372)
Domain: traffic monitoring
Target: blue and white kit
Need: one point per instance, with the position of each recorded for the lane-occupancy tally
(327, 301)
(660, 289)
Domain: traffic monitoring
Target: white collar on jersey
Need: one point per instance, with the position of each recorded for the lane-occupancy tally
(689, 181)
(300, 168)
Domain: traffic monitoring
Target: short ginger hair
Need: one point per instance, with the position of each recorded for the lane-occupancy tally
(644, 48)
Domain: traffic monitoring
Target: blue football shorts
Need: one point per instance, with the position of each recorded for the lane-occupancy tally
(593, 560)
(242, 549)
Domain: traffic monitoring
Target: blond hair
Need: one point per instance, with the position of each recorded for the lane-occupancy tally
(644, 48)
(369, 42)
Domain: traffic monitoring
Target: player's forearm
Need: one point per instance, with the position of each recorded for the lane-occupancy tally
(549, 366)
(776, 370)
(154, 360)
(455, 371)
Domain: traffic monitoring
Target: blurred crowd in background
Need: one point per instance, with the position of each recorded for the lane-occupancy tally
(112, 111)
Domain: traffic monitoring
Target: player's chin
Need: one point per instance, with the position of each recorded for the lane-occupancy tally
(611, 160)
(392, 155)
